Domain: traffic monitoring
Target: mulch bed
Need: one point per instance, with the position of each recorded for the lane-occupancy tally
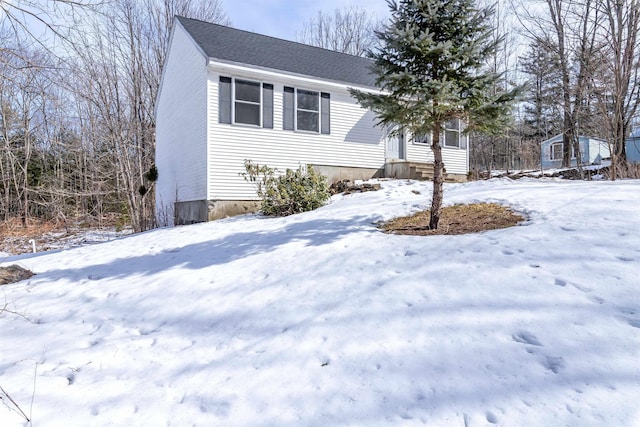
(457, 219)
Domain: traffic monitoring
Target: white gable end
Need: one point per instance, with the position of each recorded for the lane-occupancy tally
(181, 131)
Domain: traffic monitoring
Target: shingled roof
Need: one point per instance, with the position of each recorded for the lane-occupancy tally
(232, 45)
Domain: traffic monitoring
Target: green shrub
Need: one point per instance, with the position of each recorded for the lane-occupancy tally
(285, 194)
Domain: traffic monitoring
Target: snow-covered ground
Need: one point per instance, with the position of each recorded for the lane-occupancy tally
(319, 319)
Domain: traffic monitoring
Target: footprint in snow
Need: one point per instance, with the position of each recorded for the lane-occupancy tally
(525, 337)
(491, 417)
(634, 322)
(630, 316)
(553, 364)
(560, 282)
(581, 288)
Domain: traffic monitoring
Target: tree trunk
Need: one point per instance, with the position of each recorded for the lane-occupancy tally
(438, 178)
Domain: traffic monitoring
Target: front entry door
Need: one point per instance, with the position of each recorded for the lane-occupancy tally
(396, 147)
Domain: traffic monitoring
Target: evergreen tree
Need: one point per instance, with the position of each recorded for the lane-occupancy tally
(543, 108)
(430, 68)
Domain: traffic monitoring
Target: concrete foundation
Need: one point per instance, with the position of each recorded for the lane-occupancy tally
(338, 173)
(224, 208)
(190, 212)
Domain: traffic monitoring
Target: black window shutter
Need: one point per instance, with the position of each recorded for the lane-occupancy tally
(288, 108)
(224, 100)
(325, 110)
(267, 105)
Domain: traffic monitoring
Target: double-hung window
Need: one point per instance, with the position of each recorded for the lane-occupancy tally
(422, 139)
(245, 102)
(306, 110)
(453, 136)
(556, 151)
(450, 137)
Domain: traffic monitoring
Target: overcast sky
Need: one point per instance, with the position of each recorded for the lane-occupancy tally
(283, 18)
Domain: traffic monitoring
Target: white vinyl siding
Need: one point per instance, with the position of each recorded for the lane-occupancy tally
(456, 158)
(353, 142)
(181, 131)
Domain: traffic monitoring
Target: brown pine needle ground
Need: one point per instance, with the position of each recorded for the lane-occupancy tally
(457, 219)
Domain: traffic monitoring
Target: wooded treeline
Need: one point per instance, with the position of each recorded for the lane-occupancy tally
(580, 60)
(78, 82)
(77, 110)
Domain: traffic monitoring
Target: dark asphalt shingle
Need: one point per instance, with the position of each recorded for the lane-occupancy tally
(230, 44)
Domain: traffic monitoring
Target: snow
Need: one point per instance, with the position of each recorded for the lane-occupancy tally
(319, 319)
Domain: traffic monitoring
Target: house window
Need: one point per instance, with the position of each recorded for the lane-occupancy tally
(453, 136)
(245, 102)
(422, 139)
(556, 151)
(306, 110)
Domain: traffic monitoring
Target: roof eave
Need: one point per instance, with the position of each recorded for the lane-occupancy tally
(273, 72)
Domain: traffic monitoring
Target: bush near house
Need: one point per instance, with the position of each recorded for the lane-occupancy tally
(285, 194)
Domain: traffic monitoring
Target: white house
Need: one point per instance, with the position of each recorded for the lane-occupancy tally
(591, 149)
(227, 95)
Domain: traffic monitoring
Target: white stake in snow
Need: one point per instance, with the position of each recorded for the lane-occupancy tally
(33, 245)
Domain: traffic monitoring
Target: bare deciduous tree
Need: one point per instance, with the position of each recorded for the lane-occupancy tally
(567, 29)
(350, 30)
(619, 75)
(86, 140)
